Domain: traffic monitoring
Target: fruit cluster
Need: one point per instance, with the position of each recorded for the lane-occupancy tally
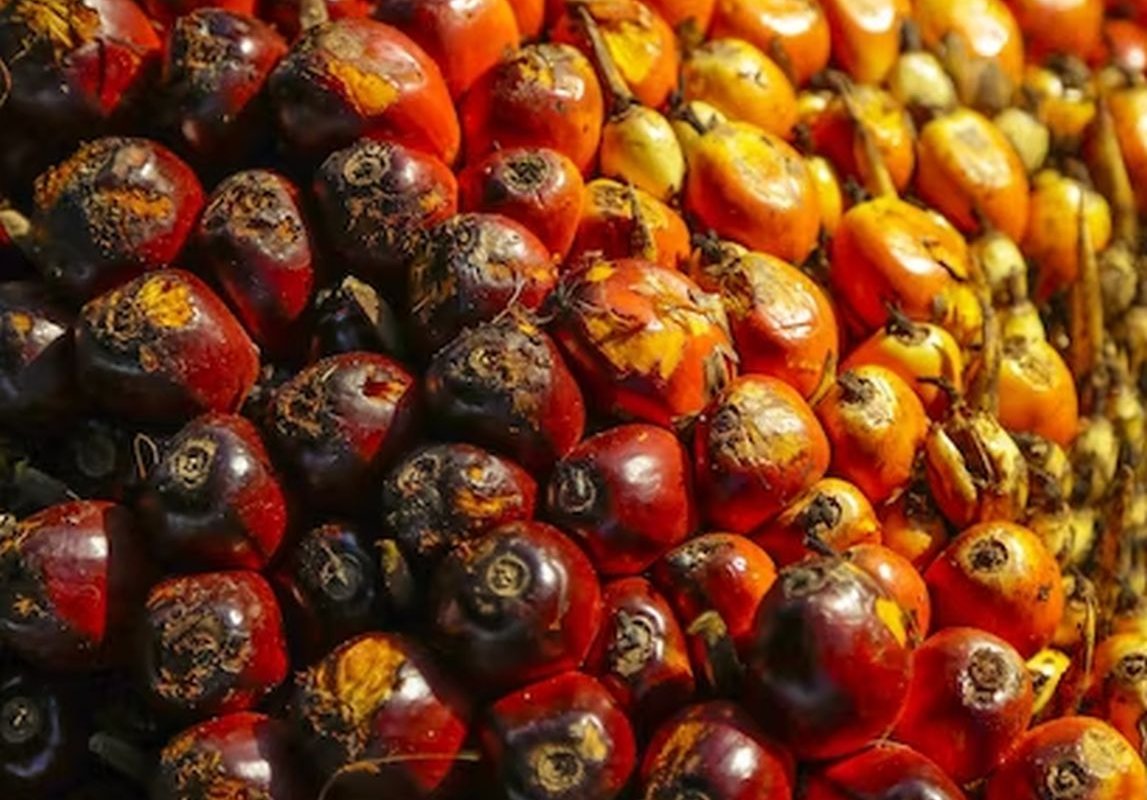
(573, 399)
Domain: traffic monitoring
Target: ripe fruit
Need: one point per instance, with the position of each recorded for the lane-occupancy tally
(37, 380)
(517, 604)
(1058, 205)
(742, 83)
(756, 448)
(562, 736)
(885, 771)
(999, 577)
(832, 514)
(162, 348)
(899, 579)
(1037, 391)
(794, 34)
(73, 577)
(211, 644)
(351, 315)
(1118, 679)
(43, 735)
(213, 501)
(625, 495)
(621, 222)
(865, 35)
(829, 662)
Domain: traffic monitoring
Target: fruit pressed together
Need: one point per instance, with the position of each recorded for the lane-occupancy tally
(573, 400)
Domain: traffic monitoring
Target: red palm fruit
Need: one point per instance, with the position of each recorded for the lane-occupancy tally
(443, 494)
(464, 37)
(535, 186)
(984, 33)
(331, 586)
(912, 525)
(167, 13)
(830, 660)
(379, 701)
(78, 67)
(866, 35)
(832, 513)
(212, 103)
(646, 342)
(213, 501)
(621, 221)
(640, 654)
(470, 269)
(354, 78)
(115, 208)
(640, 41)
(876, 425)
(543, 95)
(241, 753)
(37, 381)
(970, 700)
(73, 577)
(212, 644)
(285, 14)
(782, 322)
(162, 348)
(562, 737)
(714, 750)
(253, 238)
(719, 572)
(351, 315)
(757, 447)
(342, 421)
(374, 200)
(625, 495)
(1059, 27)
(753, 188)
(885, 771)
(899, 579)
(792, 32)
(887, 252)
(1117, 692)
(999, 577)
(1076, 758)
(530, 15)
(688, 18)
(515, 605)
(43, 735)
(1037, 391)
(504, 385)
(1124, 43)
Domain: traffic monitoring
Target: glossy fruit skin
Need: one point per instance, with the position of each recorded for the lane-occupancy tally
(43, 735)
(620, 221)
(830, 660)
(885, 771)
(254, 239)
(211, 644)
(376, 697)
(162, 348)
(876, 425)
(284, 14)
(537, 187)
(1070, 757)
(720, 572)
(865, 36)
(640, 654)
(244, 752)
(504, 385)
(115, 208)
(516, 605)
(1059, 27)
(999, 577)
(74, 575)
(340, 422)
(1117, 679)
(214, 501)
(212, 105)
(753, 188)
(877, 258)
(835, 135)
(831, 513)
(782, 322)
(716, 750)
(1052, 238)
(465, 38)
(986, 28)
(443, 494)
(561, 737)
(85, 78)
(673, 351)
(351, 315)
(757, 447)
(966, 167)
(899, 579)
(1037, 392)
(795, 28)
(625, 495)
(912, 525)
(742, 83)
(970, 700)
(471, 268)
(325, 98)
(37, 380)
(543, 95)
(373, 199)
(1123, 42)
(330, 583)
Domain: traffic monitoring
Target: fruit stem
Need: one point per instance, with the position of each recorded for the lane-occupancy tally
(1112, 175)
(722, 668)
(5, 83)
(313, 13)
(1086, 349)
(877, 179)
(620, 96)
